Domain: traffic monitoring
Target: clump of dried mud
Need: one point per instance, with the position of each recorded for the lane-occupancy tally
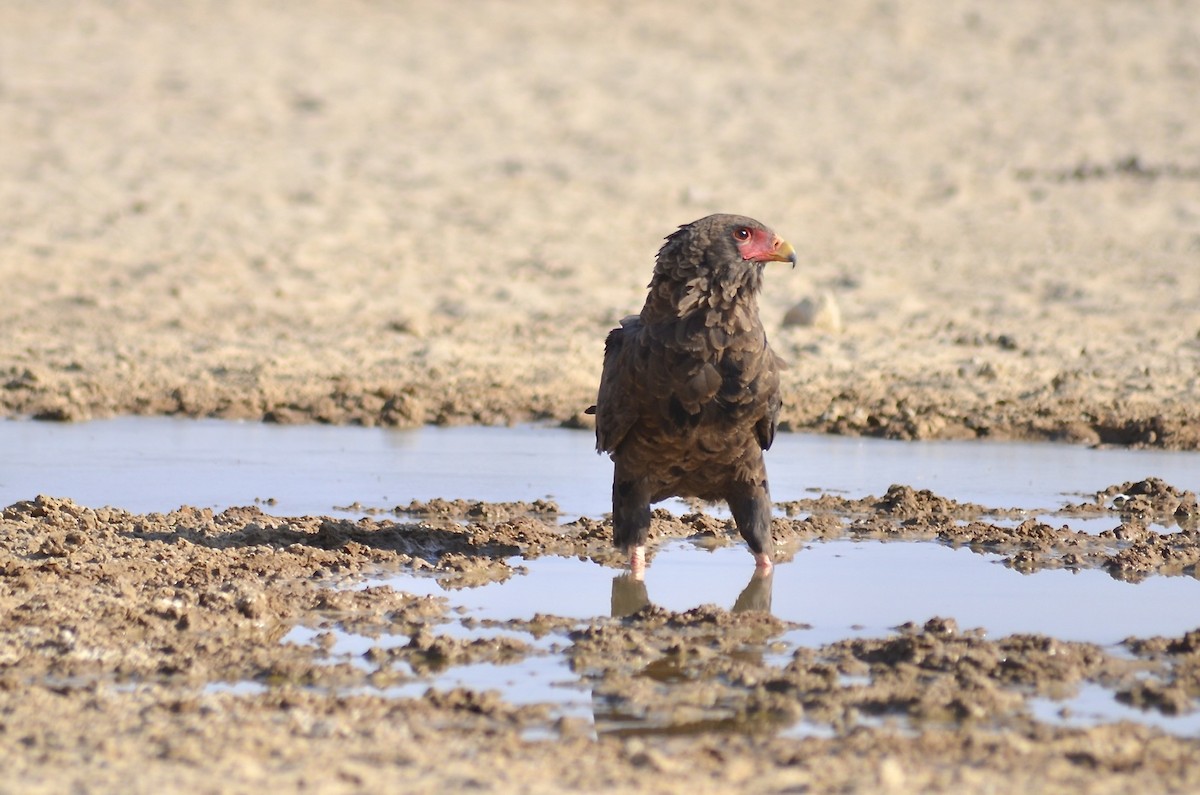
(161, 647)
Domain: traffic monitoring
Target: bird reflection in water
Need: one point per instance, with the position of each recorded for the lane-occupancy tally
(629, 593)
(615, 713)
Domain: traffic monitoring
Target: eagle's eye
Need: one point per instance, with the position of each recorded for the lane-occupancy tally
(741, 233)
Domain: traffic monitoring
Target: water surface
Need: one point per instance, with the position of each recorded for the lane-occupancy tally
(833, 589)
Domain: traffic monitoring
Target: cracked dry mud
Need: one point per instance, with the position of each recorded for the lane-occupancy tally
(152, 650)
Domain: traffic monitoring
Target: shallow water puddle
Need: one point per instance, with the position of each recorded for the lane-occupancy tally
(842, 589)
(536, 679)
(834, 590)
(1094, 704)
(148, 464)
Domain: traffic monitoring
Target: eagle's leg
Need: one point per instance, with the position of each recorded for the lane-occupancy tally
(631, 517)
(750, 504)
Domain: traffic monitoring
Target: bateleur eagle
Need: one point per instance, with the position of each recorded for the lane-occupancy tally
(689, 393)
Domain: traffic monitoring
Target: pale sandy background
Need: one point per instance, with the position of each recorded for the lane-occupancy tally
(400, 212)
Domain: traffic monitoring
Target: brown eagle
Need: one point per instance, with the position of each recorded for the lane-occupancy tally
(689, 393)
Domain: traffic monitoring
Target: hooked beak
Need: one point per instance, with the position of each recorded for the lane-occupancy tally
(782, 252)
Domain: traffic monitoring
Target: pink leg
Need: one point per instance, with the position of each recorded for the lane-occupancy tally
(762, 562)
(637, 562)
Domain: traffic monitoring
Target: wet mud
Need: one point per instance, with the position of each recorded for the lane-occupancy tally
(174, 644)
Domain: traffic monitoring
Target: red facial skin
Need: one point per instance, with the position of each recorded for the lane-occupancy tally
(763, 245)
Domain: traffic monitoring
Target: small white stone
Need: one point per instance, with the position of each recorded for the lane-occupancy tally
(820, 312)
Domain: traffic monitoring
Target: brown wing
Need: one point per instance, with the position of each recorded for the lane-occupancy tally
(646, 377)
(675, 375)
(616, 408)
(764, 429)
(750, 387)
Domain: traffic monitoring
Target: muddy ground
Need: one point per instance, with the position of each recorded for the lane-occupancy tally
(148, 652)
(397, 213)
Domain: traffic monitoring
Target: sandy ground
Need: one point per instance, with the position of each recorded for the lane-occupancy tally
(403, 213)
(399, 213)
